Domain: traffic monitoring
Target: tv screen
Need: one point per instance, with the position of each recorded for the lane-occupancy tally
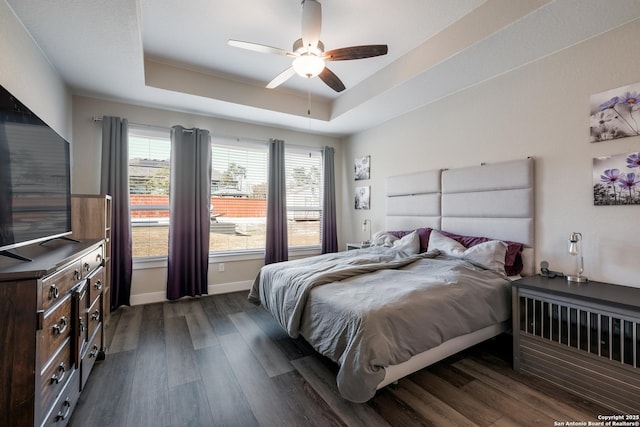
(35, 181)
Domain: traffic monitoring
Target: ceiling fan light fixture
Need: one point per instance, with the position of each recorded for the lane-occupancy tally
(308, 65)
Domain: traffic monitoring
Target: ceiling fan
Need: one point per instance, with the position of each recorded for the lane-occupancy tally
(309, 54)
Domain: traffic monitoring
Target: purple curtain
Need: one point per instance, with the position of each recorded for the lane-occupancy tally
(277, 248)
(189, 214)
(329, 227)
(114, 181)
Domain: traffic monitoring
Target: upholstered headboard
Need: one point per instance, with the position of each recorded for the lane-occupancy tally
(413, 201)
(491, 200)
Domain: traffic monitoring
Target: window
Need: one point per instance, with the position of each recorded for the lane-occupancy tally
(304, 196)
(149, 162)
(238, 194)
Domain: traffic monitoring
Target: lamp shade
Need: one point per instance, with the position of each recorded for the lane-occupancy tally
(573, 248)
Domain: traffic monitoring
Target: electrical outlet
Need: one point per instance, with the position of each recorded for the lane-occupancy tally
(221, 267)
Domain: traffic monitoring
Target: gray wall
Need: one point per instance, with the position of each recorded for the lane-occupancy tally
(539, 110)
(27, 74)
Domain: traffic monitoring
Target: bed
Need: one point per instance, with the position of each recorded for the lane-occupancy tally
(425, 291)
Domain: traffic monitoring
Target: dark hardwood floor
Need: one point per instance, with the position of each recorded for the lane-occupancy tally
(221, 361)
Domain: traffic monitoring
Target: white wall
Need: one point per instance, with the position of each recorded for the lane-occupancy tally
(149, 280)
(28, 75)
(539, 110)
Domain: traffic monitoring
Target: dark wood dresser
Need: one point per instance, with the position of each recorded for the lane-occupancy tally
(583, 337)
(51, 312)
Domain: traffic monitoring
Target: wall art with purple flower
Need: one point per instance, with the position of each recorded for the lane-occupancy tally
(615, 113)
(616, 180)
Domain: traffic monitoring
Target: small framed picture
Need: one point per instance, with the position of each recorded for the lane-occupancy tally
(362, 197)
(362, 168)
(615, 113)
(616, 180)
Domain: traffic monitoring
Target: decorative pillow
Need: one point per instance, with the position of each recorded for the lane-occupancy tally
(490, 254)
(423, 234)
(409, 243)
(513, 264)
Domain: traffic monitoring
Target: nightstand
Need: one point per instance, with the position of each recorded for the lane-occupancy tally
(583, 337)
(359, 245)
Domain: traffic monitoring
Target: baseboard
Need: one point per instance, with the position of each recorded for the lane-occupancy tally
(223, 288)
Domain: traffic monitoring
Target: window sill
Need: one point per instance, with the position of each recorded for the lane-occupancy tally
(161, 262)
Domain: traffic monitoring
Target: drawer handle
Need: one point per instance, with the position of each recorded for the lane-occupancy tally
(62, 415)
(94, 351)
(54, 292)
(82, 327)
(87, 267)
(98, 285)
(76, 274)
(96, 315)
(62, 369)
(99, 259)
(61, 327)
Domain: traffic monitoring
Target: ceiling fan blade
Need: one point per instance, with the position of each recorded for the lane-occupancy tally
(331, 80)
(259, 48)
(281, 78)
(311, 23)
(356, 52)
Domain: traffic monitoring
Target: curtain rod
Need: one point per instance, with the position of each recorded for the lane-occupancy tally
(99, 119)
(218, 135)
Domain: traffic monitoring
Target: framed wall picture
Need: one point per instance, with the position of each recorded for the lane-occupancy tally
(362, 168)
(615, 114)
(362, 197)
(616, 180)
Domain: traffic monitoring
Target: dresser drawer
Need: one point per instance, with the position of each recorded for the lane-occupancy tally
(96, 283)
(55, 376)
(81, 294)
(92, 261)
(90, 357)
(57, 326)
(65, 403)
(56, 286)
(94, 316)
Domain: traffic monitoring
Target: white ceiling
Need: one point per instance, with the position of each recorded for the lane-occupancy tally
(173, 54)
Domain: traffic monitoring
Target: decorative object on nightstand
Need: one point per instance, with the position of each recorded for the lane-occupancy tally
(575, 249)
(366, 226)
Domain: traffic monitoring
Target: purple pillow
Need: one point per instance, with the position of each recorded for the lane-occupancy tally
(423, 234)
(513, 259)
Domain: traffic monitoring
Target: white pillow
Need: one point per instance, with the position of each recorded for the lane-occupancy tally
(489, 255)
(382, 238)
(409, 243)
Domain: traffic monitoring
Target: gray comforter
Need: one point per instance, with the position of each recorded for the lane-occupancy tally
(367, 309)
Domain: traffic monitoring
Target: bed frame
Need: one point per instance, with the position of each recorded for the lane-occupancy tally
(490, 200)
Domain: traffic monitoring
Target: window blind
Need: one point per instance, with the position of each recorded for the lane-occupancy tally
(238, 194)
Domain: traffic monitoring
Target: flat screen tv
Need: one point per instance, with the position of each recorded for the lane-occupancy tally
(35, 181)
